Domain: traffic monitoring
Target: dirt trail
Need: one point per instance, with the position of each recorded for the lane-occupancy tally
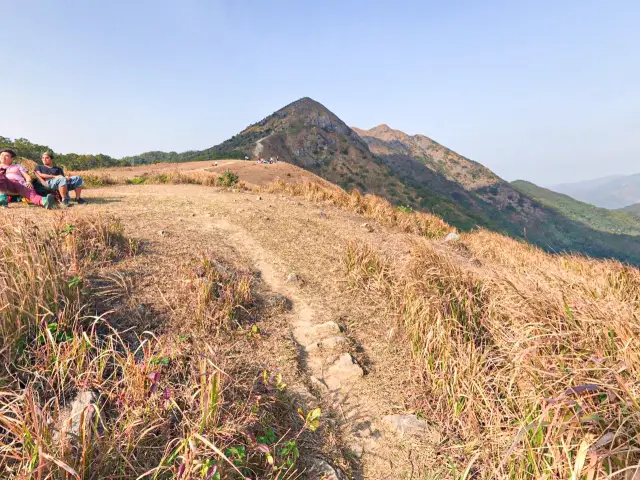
(356, 380)
(257, 151)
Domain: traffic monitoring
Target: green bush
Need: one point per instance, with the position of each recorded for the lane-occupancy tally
(228, 179)
(136, 181)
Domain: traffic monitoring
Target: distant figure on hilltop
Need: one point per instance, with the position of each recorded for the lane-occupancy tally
(16, 181)
(54, 179)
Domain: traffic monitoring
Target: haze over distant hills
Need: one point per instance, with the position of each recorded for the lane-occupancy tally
(615, 191)
(410, 171)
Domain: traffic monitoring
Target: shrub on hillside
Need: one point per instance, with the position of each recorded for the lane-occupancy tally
(228, 179)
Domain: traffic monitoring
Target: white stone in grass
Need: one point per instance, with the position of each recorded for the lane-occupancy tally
(320, 469)
(71, 417)
(292, 278)
(452, 237)
(411, 425)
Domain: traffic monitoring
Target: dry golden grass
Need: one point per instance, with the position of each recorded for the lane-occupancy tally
(529, 362)
(368, 205)
(181, 403)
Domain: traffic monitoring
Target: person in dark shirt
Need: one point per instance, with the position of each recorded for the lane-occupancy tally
(54, 179)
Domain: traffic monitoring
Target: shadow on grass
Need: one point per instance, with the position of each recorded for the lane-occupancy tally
(98, 201)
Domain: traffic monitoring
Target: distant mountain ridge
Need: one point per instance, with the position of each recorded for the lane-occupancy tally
(383, 140)
(613, 192)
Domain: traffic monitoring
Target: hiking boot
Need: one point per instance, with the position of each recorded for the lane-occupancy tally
(81, 201)
(65, 203)
(4, 201)
(49, 202)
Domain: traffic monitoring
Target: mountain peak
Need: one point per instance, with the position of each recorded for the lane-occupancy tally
(305, 103)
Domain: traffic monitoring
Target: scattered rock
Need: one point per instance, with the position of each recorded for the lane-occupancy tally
(207, 215)
(70, 417)
(343, 372)
(292, 278)
(162, 233)
(320, 469)
(411, 425)
(367, 227)
(323, 215)
(452, 237)
(326, 343)
(259, 197)
(193, 214)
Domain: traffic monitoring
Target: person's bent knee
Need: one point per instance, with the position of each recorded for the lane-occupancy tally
(56, 183)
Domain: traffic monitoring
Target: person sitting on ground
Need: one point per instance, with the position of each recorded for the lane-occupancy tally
(12, 187)
(54, 179)
(16, 172)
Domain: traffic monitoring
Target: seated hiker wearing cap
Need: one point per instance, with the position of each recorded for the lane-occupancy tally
(54, 179)
(9, 185)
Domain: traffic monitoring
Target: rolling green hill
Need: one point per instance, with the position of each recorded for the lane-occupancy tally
(613, 221)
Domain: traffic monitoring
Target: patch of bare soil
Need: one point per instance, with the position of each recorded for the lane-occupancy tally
(249, 171)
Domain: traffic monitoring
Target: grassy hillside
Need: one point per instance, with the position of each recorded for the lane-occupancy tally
(488, 201)
(516, 353)
(87, 392)
(523, 360)
(633, 210)
(601, 219)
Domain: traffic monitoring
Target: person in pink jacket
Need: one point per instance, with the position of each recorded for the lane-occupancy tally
(10, 184)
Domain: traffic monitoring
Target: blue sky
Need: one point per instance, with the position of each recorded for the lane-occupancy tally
(543, 90)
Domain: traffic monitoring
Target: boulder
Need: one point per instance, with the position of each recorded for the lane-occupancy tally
(343, 372)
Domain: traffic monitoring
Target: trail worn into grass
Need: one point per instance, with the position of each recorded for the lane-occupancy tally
(298, 249)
